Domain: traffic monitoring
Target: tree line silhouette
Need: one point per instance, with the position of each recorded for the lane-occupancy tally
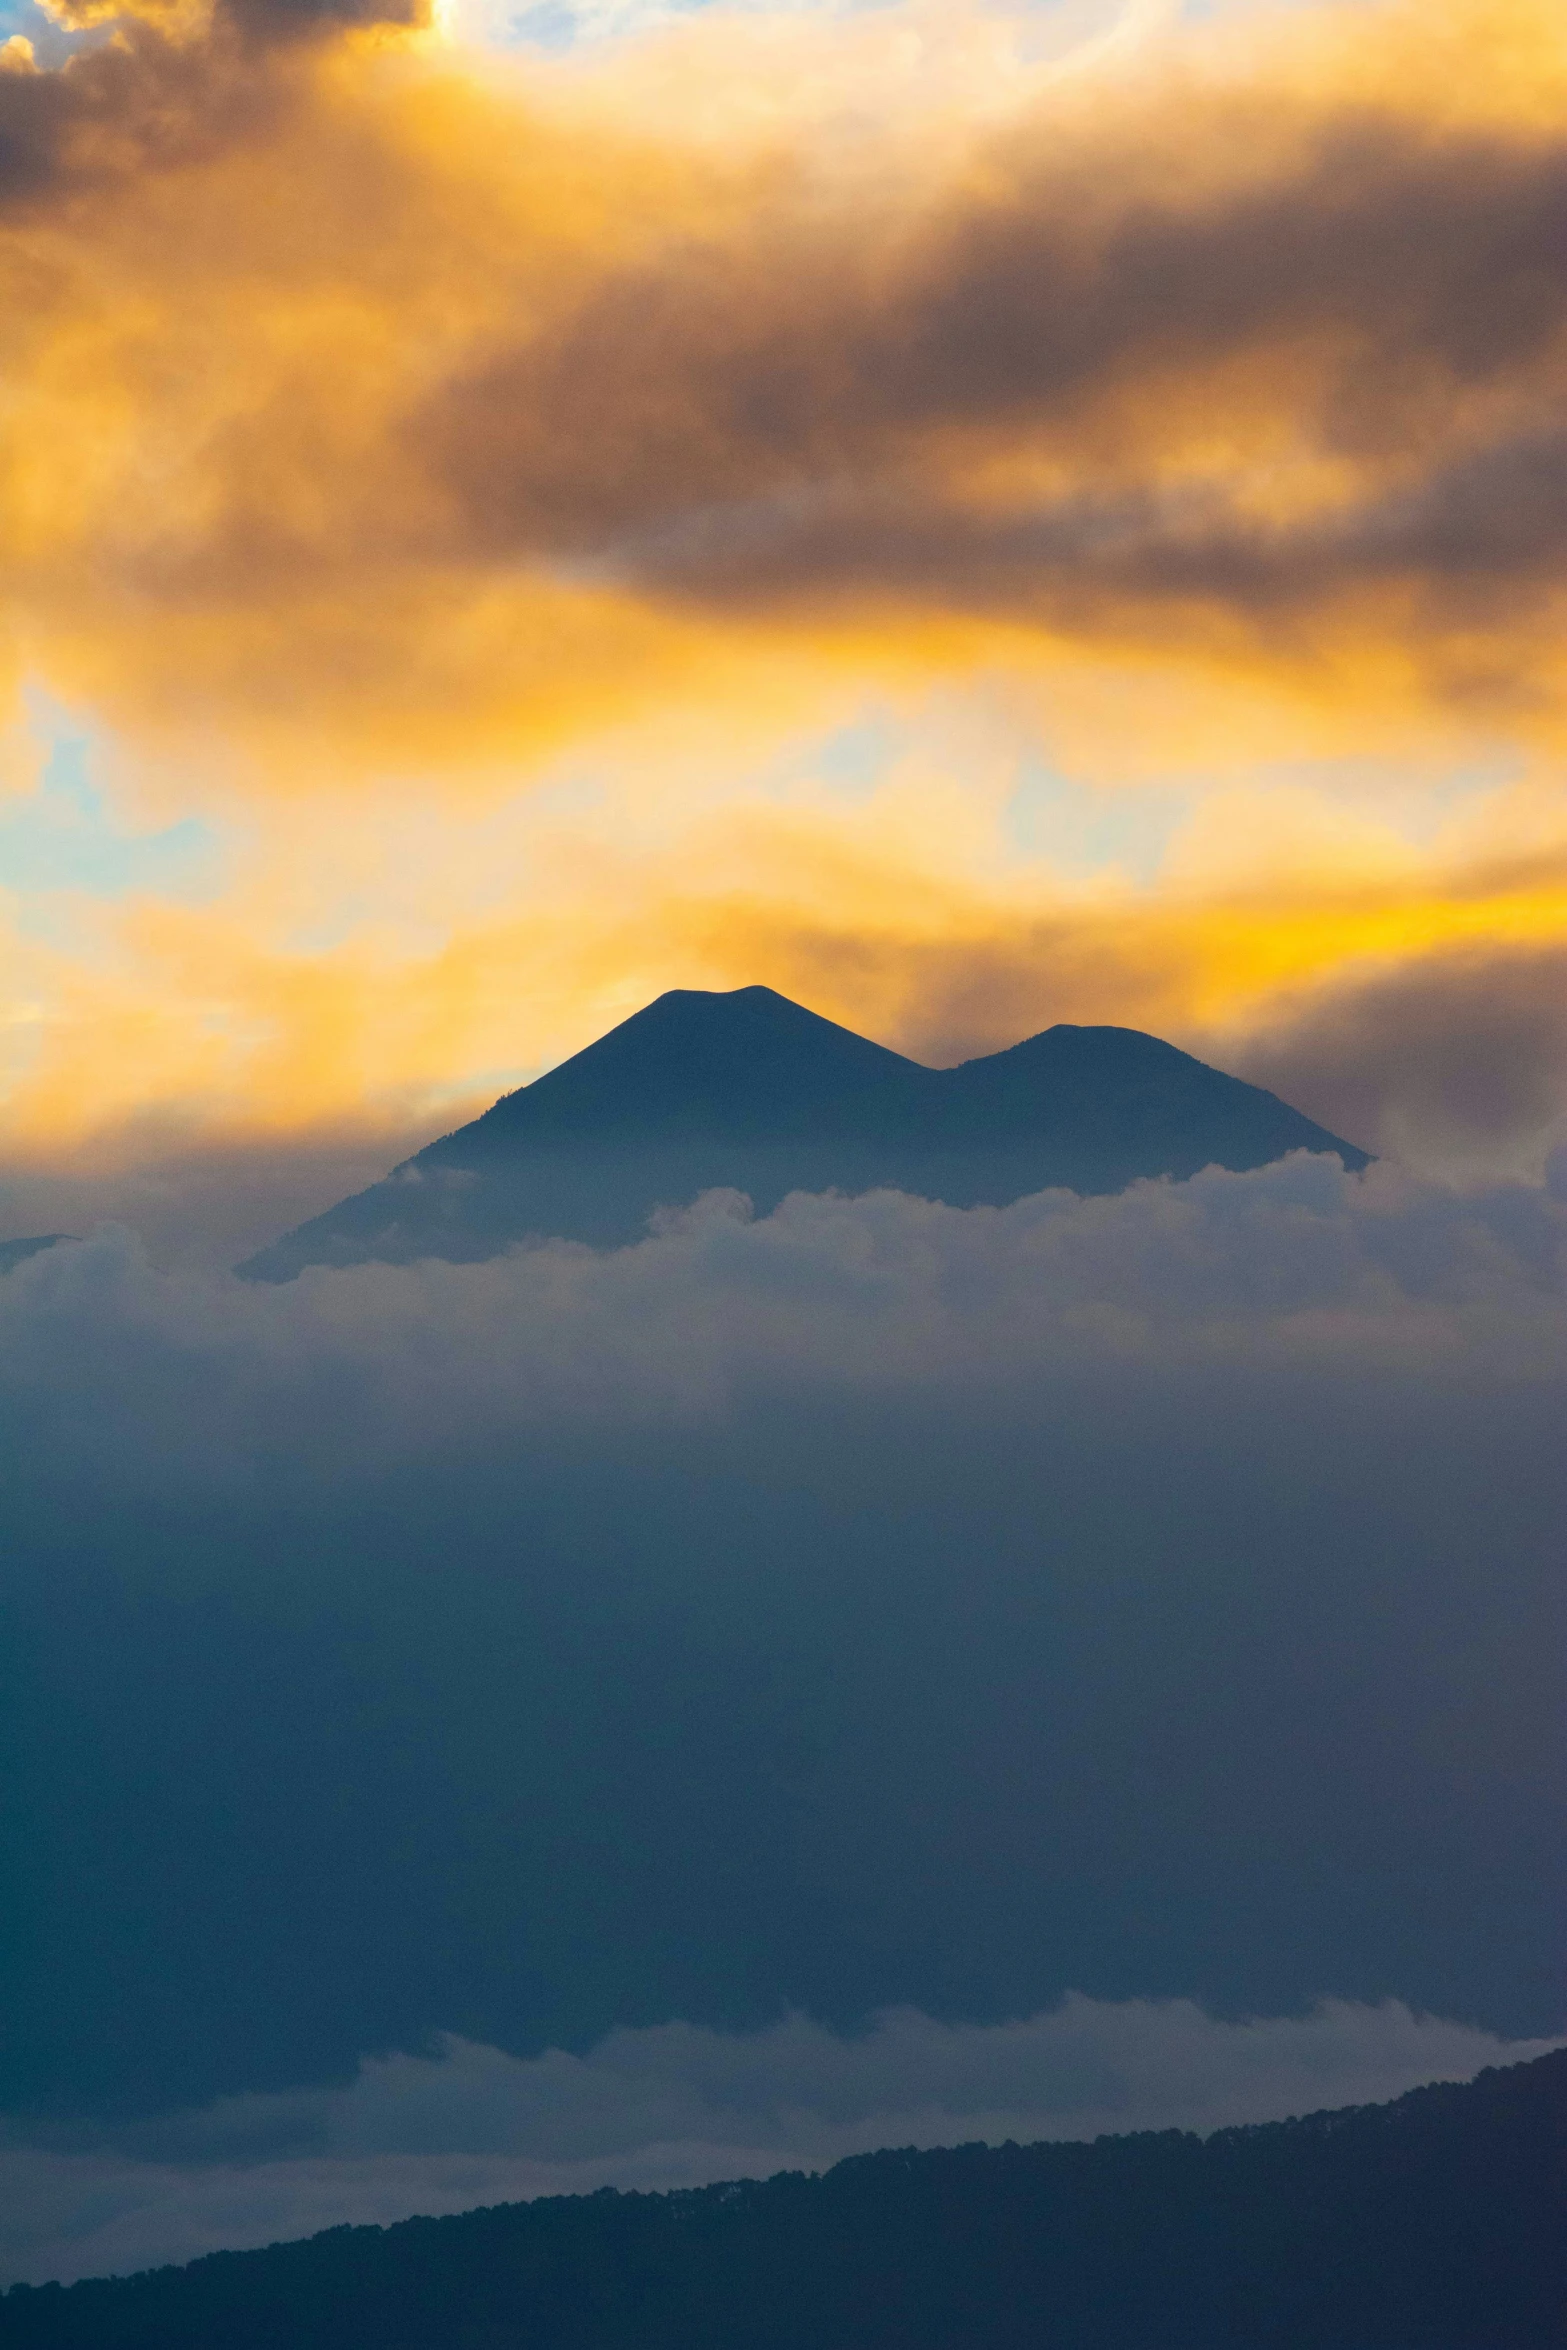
(1438, 2222)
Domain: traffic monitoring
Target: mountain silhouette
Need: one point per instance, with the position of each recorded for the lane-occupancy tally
(17, 1252)
(1432, 2223)
(749, 1091)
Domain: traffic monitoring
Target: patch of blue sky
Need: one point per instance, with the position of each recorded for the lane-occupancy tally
(63, 835)
(1084, 830)
(52, 44)
(851, 761)
(1078, 829)
(555, 27)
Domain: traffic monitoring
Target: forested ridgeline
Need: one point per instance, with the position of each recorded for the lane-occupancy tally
(1438, 2222)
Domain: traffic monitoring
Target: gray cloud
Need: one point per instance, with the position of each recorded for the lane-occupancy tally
(205, 1201)
(139, 105)
(995, 386)
(1493, 522)
(282, 20)
(884, 1297)
(678, 2106)
(1456, 1061)
(772, 413)
(1022, 308)
(151, 101)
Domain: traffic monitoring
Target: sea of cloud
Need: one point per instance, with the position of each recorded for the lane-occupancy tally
(551, 1673)
(114, 1371)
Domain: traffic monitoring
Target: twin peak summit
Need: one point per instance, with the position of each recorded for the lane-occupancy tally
(746, 1090)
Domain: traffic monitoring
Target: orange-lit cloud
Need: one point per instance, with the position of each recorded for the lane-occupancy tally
(365, 398)
(1406, 996)
(396, 435)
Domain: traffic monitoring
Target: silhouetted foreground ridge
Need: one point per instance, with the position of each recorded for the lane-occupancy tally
(750, 1092)
(1436, 2223)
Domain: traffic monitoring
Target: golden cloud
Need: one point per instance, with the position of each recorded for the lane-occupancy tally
(161, 1027)
(387, 426)
(464, 411)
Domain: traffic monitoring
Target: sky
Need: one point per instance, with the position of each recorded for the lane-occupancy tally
(969, 517)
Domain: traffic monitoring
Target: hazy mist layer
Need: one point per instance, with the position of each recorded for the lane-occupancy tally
(877, 1604)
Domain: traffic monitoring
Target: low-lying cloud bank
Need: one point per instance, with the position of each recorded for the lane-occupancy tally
(1296, 1269)
(872, 1606)
(675, 2106)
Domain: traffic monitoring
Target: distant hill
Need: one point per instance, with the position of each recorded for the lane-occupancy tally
(1435, 2223)
(750, 1091)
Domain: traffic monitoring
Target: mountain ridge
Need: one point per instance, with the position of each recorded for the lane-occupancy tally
(745, 1089)
(32, 1244)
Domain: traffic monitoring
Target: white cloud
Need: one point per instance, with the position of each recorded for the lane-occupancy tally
(117, 1371)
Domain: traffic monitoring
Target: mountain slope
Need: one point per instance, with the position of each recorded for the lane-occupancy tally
(750, 1091)
(17, 1252)
(1434, 2223)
